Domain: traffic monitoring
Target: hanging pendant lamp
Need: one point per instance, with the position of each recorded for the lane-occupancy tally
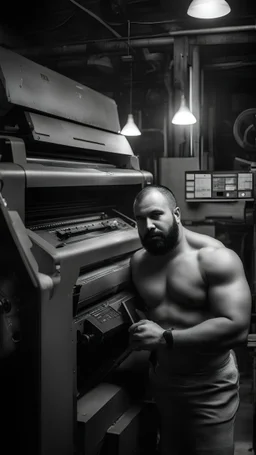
(183, 116)
(130, 128)
(208, 9)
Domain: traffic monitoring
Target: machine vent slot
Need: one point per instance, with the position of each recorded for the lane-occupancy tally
(65, 153)
(46, 205)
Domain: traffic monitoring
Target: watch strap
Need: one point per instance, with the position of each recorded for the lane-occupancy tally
(168, 336)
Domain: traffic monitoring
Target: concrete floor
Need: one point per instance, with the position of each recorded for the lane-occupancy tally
(244, 420)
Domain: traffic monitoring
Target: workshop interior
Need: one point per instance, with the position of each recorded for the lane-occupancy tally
(92, 95)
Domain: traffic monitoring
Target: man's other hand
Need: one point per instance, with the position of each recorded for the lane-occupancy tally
(145, 335)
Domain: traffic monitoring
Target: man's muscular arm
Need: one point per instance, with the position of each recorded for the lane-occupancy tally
(229, 298)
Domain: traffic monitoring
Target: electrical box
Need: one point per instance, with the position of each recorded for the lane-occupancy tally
(201, 186)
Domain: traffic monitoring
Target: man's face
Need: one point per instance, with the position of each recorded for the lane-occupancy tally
(158, 225)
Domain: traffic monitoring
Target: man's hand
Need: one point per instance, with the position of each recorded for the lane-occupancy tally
(145, 335)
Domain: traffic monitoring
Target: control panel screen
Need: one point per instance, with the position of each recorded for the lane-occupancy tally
(235, 185)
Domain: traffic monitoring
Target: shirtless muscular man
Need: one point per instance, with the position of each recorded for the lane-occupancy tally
(197, 305)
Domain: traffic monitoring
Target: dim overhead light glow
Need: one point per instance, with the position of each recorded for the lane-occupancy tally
(208, 9)
(183, 116)
(130, 128)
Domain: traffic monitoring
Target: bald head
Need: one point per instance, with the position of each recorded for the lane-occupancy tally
(154, 189)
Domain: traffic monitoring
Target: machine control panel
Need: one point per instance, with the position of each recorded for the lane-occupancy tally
(216, 186)
(104, 313)
(108, 316)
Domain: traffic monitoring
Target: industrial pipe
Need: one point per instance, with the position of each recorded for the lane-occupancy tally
(60, 51)
(121, 45)
(207, 31)
(100, 46)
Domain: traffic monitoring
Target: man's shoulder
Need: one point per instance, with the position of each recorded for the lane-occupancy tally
(198, 240)
(216, 252)
(219, 261)
(138, 257)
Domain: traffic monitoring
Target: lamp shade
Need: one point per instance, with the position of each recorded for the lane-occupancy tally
(130, 129)
(208, 9)
(183, 116)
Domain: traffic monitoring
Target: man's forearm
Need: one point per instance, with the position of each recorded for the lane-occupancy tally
(214, 333)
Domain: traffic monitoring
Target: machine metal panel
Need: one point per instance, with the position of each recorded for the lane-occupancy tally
(47, 424)
(96, 413)
(45, 176)
(36, 87)
(105, 278)
(55, 131)
(12, 177)
(95, 250)
(14, 232)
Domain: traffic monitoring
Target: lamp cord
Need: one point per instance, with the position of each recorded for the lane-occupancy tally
(130, 87)
(129, 35)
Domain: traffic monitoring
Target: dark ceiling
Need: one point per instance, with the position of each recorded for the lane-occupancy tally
(59, 22)
(88, 42)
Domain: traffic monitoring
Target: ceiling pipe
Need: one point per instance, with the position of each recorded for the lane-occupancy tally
(121, 45)
(59, 51)
(206, 31)
(163, 41)
(228, 65)
(101, 46)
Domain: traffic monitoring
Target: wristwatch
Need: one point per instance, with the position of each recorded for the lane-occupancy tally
(168, 337)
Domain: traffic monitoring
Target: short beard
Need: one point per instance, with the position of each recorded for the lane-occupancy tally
(161, 244)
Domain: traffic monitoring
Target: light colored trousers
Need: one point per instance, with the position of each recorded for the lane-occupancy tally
(197, 413)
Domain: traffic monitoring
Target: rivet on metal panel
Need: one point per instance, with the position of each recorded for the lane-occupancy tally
(44, 77)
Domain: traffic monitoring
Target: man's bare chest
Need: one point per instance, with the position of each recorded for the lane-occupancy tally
(178, 282)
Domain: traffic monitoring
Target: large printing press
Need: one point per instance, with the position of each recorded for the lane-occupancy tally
(68, 180)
